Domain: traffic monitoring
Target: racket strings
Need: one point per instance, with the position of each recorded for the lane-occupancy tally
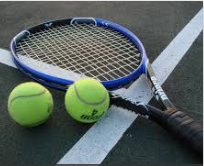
(80, 42)
(97, 52)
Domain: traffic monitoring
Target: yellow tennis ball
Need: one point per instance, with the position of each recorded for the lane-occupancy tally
(30, 104)
(87, 100)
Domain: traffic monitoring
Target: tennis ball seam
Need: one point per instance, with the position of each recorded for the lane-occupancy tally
(89, 103)
(27, 96)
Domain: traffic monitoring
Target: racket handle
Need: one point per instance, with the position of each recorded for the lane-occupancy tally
(184, 127)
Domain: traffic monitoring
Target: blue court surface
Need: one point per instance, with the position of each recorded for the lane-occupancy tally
(172, 33)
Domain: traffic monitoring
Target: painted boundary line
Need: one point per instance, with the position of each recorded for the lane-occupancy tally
(97, 142)
(5, 58)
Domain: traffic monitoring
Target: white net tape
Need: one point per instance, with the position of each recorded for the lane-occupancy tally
(78, 51)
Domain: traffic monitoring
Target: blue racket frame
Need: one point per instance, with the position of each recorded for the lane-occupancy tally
(62, 84)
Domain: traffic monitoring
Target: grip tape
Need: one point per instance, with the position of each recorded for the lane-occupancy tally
(184, 127)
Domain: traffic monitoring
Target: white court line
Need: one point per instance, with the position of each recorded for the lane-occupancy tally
(5, 58)
(97, 142)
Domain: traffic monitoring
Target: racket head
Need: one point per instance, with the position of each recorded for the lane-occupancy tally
(61, 82)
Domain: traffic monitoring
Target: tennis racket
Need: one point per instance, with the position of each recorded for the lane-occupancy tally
(57, 53)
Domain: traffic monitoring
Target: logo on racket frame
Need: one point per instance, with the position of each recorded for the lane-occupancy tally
(157, 89)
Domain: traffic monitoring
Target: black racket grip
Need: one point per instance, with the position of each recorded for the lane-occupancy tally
(184, 127)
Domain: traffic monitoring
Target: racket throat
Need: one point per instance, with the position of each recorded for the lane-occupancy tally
(160, 94)
(129, 104)
(157, 90)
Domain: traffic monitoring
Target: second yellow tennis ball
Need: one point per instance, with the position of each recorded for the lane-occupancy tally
(30, 104)
(87, 100)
